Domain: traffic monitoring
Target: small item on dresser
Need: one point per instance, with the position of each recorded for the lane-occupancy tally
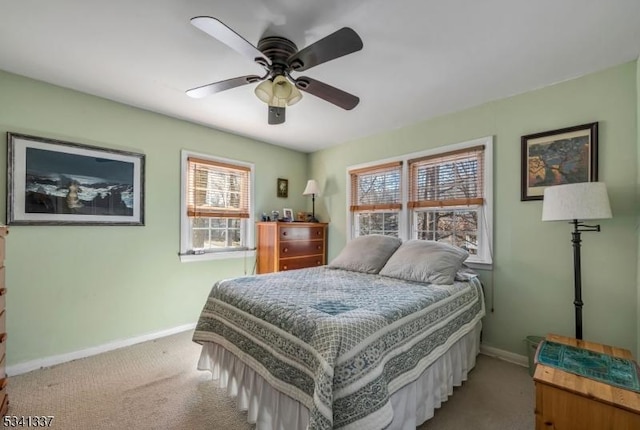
(287, 214)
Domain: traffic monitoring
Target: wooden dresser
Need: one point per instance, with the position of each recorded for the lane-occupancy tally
(3, 328)
(566, 401)
(291, 245)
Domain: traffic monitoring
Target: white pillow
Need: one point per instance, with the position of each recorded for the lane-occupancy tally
(367, 254)
(425, 261)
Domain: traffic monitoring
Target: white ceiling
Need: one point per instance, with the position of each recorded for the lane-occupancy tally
(421, 58)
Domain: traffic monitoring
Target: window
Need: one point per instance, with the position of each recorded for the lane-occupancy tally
(448, 197)
(216, 210)
(376, 199)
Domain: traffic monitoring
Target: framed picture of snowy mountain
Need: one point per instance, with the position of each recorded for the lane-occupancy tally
(52, 182)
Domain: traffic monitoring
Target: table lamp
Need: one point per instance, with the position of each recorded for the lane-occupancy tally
(311, 190)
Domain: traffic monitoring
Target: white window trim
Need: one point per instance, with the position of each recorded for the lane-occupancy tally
(485, 254)
(250, 252)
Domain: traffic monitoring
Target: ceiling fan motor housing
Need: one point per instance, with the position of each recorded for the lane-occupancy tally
(278, 50)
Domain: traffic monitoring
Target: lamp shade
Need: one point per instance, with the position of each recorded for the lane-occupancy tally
(264, 91)
(311, 188)
(281, 91)
(581, 201)
(295, 96)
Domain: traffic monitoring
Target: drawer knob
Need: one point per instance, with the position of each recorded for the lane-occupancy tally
(284, 233)
(319, 247)
(284, 267)
(318, 233)
(317, 263)
(285, 250)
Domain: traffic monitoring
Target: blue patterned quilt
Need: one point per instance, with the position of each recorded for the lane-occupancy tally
(339, 342)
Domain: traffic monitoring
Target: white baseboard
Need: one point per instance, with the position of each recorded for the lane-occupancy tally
(28, 366)
(521, 360)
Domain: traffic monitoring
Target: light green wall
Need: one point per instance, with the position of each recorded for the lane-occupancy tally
(532, 280)
(72, 287)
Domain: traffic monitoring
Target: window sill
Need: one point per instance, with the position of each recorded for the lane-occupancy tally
(479, 265)
(208, 256)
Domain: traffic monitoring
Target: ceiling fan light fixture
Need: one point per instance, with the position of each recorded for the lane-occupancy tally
(264, 91)
(278, 92)
(278, 102)
(281, 87)
(295, 96)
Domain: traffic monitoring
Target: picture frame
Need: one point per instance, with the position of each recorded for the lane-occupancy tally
(283, 188)
(564, 156)
(54, 182)
(303, 216)
(287, 214)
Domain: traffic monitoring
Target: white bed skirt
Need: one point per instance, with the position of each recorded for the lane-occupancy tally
(412, 405)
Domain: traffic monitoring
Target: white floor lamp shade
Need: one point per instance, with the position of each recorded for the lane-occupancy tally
(581, 201)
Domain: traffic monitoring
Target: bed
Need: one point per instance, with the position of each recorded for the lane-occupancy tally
(336, 348)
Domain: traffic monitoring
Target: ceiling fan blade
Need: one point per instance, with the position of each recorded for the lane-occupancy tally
(215, 28)
(327, 92)
(342, 42)
(276, 115)
(216, 87)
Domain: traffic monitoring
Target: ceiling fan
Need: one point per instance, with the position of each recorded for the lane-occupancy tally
(279, 57)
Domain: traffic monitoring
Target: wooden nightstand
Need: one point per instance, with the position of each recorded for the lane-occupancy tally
(565, 401)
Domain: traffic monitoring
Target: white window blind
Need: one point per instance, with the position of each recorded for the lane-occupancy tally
(217, 190)
(452, 178)
(376, 188)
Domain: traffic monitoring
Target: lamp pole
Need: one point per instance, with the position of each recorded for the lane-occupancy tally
(578, 228)
(313, 208)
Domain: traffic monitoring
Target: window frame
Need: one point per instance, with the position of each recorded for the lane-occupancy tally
(376, 207)
(247, 230)
(406, 215)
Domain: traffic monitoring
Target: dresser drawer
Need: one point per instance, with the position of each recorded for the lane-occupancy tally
(3, 354)
(301, 248)
(301, 233)
(3, 396)
(300, 263)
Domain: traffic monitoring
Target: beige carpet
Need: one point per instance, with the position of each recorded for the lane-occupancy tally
(155, 385)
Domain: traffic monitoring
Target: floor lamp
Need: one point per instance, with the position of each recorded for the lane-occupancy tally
(577, 203)
(311, 190)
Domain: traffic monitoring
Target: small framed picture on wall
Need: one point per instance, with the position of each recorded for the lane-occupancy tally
(283, 188)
